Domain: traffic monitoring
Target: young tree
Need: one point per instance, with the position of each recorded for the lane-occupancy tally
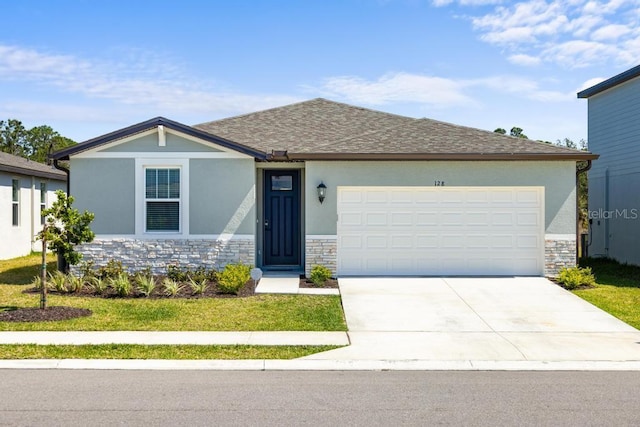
(65, 228)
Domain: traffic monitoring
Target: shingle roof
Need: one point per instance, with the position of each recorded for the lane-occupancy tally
(20, 165)
(320, 128)
(611, 82)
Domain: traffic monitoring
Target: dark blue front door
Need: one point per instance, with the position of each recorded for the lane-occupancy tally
(281, 218)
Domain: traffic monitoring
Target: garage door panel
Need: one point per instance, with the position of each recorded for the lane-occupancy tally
(403, 219)
(376, 241)
(441, 230)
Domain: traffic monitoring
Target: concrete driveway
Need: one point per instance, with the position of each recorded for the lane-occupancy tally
(477, 319)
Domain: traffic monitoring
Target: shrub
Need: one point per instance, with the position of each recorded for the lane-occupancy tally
(122, 285)
(75, 284)
(233, 277)
(177, 273)
(88, 271)
(37, 282)
(59, 281)
(199, 274)
(98, 285)
(171, 287)
(198, 287)
(320, 274)
(146, 284)
(573, 277)
(112, 270)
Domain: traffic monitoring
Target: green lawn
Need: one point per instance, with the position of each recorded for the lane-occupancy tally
(119, 351)
(258, 313)
(618, 289)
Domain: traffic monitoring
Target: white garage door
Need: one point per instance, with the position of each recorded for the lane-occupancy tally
(440, 230)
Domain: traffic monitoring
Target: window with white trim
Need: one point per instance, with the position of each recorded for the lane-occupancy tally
(43, 200)
(15, 202)
(162, 199)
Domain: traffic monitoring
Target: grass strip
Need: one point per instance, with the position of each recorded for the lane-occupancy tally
(177, 352)
(617, 291)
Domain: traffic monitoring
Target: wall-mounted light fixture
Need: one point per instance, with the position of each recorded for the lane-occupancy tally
(322, 192)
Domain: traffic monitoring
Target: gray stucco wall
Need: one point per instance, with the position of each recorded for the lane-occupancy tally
(149, 144)
(614, 179)
(105, 187)
(222, 196)
(558, 178)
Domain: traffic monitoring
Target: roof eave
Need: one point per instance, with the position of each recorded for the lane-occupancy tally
(442, 156)
(31, 172)
(149, 124)
(609, 83)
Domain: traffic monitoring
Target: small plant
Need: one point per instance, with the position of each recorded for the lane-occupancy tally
(122, 285)
(98, 285)
(87, 269)
(573, 277)
(58, 282)
(75, 284)
(198, 287)
(319, 275)
(112, 270)
(175, 272)
(233, 277)
(171, 287)
(37, 283)
(146, 284)
(65, 227)
(199, 274)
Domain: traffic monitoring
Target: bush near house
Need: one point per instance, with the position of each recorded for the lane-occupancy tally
(575, 277)
(233, 277)
(319, 275)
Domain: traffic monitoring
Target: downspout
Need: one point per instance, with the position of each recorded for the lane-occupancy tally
(578, 172)
(65, 170)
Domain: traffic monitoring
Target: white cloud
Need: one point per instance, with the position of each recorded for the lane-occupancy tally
(398, 87)
(545, 29)
(435, 92)
(610, 32)
(137, 79)
(524, 59)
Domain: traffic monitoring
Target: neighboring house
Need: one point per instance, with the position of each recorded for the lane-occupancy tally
(614, 180)
(403, 196)
(26, 187)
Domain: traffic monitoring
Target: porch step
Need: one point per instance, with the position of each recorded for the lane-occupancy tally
(278, 284)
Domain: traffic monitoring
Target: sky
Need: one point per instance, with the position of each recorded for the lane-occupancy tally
(87, 68)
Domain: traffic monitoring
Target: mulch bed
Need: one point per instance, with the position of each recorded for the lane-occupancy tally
(554, 280)
(35, 314)
(307, 283)
(158, 293)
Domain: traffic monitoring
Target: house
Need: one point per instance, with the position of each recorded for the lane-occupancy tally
(614, 180)
(362, 192)
(26, 188)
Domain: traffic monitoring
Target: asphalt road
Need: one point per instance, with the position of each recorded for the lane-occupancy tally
(193, 398)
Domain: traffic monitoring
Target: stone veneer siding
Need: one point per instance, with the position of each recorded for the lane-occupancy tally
(321, 251)
(137, 254)
(558, 253)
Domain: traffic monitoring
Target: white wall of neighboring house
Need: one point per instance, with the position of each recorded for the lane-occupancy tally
(20, 240)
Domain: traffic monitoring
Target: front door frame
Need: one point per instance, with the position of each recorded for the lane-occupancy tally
(261, 173)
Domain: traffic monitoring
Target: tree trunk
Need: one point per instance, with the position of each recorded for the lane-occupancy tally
(63, 266)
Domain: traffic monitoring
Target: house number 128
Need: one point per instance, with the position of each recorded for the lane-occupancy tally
(438, 183)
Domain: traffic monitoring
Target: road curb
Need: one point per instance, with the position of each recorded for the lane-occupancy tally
(319, 365)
